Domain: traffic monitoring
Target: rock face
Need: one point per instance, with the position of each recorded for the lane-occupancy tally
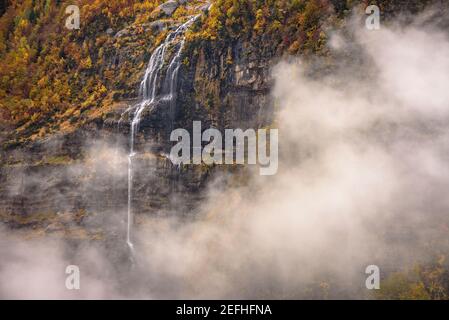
(224, 86)
(67, 175)
(158, 25)
(169, 7)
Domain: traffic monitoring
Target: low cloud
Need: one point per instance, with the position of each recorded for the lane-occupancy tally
(362, 180)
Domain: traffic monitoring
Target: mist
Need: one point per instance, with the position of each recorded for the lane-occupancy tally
(362, 181)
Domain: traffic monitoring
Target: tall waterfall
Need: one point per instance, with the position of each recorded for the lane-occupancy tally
(151, 92)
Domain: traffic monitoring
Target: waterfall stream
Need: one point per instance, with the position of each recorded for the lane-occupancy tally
(150, 92)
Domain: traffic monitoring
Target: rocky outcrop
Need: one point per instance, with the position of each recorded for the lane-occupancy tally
(169, 7)
(166, 9)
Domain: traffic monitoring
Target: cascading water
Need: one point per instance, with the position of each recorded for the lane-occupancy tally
(149, 93)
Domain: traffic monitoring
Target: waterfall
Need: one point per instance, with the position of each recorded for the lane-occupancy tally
(149, 93)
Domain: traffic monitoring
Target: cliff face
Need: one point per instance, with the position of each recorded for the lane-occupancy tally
(57, 182)
(70, 170)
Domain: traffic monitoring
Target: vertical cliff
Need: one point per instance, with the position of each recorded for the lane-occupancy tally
(62, 90)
